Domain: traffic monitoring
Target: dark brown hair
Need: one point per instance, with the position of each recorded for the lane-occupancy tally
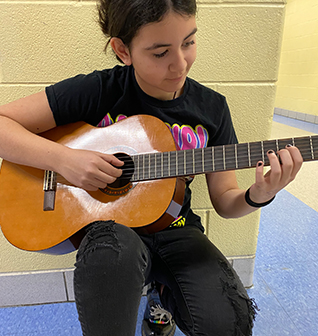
(124, 18)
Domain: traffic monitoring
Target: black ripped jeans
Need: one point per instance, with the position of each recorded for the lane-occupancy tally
(202, 291)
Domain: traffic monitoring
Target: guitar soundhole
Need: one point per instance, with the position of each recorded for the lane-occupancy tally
(122, 185)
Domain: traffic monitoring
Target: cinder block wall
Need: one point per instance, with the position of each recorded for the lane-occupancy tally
(42, 42)
(297, 86)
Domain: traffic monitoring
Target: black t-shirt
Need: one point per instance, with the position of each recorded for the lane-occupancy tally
(198, 118)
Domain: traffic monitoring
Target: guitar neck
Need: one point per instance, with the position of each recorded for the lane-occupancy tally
(219, 158)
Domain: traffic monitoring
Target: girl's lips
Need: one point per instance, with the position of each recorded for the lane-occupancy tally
(177, 79)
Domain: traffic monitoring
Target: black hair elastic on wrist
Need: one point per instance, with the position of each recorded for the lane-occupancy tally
(253, 204)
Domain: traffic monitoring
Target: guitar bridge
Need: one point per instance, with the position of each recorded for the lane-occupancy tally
(49, 188)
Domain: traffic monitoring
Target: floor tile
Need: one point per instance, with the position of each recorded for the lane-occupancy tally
(271, 319)
(42, 320)
(286, 268)
(295, 287)
(28, 286)
(310, 127)
(69, 276)
(50, 320)
(288, 232)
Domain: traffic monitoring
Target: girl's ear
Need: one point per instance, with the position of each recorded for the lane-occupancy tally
(121, 50)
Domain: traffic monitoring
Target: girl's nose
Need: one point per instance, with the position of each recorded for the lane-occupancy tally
(178, 63)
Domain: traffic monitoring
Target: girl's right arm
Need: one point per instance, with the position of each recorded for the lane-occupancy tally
(21, 120)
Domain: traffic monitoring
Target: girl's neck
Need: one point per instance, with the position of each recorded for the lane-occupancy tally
(177, 93)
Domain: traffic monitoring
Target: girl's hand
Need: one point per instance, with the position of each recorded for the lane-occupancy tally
(283, 170)
(89, 170)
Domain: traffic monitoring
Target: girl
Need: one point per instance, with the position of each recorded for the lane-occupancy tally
(156, 42)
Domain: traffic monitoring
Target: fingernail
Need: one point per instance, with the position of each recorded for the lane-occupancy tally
(289, 145)
(260, 164)
(270, 151)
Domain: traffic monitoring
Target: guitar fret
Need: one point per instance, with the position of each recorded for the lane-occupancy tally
(136, 169)
(145, 167)
(149, 165)
(311, 148)
(315, 145)
(304, 145)
(243, 155)
(153, 165)
(140, 167)
(171, 166)
(216, 158)
(138, 164)
(213, 161)
(207, 163)
(177, 164)
(230, 157)
(189, 164)
(198, 158)
(257, 152)
(162, 165)
(263, 155)
(203, 158)
(146, 172)
(166, 165)
(249, 154)
(134, 175)
(180, 171)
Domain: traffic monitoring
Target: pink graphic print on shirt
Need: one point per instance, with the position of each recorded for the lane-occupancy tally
(185, 136)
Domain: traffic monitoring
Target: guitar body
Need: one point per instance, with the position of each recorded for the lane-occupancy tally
(149, 206)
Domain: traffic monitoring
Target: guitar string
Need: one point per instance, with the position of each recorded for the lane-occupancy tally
(308, 144)
(241, 154)
(217, 162)
(220, 148)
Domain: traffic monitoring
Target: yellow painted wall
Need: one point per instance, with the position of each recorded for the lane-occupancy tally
(42, 42)
(297, 86)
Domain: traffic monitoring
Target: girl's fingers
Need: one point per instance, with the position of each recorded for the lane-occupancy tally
(259, 175)
(297, 159)
(276, 170)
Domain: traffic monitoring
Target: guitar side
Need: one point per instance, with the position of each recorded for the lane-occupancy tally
(146, 206)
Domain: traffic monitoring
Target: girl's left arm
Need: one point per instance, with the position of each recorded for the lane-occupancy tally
(229, 201)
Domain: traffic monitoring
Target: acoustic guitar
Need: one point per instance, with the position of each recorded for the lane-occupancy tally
(41, 211)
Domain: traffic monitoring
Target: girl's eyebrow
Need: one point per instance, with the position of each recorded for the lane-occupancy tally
(162, 45)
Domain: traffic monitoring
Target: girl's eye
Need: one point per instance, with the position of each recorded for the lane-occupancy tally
(161, 55)
(188, 44)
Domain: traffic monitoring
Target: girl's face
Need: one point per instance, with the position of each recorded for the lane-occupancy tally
(162, 54)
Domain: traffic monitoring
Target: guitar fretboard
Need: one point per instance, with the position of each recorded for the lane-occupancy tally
(219, 158)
